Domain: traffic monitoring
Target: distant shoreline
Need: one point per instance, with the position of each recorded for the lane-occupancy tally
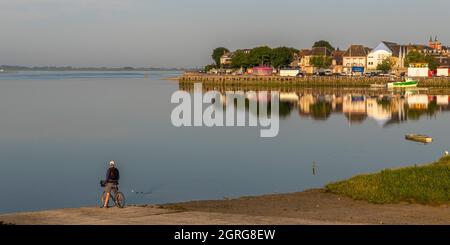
(20, 68)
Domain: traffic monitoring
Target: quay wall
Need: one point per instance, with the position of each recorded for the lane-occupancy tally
(307, 81)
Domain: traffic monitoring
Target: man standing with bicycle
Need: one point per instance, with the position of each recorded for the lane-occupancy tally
(112, 181)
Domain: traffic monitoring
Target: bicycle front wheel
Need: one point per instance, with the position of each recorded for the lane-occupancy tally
(120, 200)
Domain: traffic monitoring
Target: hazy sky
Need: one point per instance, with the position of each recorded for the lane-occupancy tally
(169, 33)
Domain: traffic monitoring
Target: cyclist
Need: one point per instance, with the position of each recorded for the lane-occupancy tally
(112, 181)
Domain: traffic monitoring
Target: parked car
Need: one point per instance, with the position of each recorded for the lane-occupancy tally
(328, 73)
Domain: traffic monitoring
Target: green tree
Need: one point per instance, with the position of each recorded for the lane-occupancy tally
(241, 59)
(282, 56)
(209, 67)
(417, 57)
(414, 57)
(321, 61)
(264, 55)
(433, 64)
(260, 56)
(217, 53)
(323, 43)
(385, 66)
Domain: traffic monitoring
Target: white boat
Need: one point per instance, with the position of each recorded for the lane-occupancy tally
(409, 83)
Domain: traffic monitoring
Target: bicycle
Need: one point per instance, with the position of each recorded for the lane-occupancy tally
(118, 197)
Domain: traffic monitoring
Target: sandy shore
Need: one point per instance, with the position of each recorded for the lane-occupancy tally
(314, 207)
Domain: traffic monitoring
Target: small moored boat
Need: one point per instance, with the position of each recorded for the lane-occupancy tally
(419, 138)
(409, 83)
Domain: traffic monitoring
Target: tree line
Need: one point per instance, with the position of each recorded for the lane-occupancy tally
(263, 55)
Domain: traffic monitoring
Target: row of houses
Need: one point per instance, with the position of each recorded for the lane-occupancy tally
(359, 59)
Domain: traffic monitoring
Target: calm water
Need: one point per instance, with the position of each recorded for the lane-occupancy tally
(59, 129)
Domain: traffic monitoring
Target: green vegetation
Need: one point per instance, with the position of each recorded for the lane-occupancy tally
(323, 43)
(217, 53)
(209, 67)
(417, 57)
(428, 184)
(385, 66)
(260, 56)
(321, 61)
(415, 114)
(282, 56)
(321, 110)
(263, 55)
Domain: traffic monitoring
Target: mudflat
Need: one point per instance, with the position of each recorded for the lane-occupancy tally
(313, 207)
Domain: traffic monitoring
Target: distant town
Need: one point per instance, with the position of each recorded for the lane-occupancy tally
(322, 59)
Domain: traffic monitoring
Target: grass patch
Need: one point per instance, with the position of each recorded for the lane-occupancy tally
(428, 184)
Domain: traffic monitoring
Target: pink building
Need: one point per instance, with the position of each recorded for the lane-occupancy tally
(262, 71)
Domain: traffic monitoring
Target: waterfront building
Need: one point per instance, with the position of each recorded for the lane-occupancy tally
(305, 57)
(443, 71)
(355, 59)
(321, 52)
(383, 51)
(418, 70)
(225, 59)
(338, 61)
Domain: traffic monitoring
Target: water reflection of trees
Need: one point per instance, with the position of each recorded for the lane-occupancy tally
(286, 109)
(357, 105)
(320, 110)
(416, 114)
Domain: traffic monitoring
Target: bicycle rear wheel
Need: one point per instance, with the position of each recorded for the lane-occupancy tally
(120, 200)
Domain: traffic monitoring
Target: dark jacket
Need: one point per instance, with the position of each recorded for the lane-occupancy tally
(112, 175)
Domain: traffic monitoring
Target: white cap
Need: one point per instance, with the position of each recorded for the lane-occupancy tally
(112, 163)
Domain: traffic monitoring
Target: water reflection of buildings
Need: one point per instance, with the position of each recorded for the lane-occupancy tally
(384, 107)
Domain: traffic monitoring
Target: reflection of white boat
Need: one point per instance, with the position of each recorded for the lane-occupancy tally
(289, 97)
